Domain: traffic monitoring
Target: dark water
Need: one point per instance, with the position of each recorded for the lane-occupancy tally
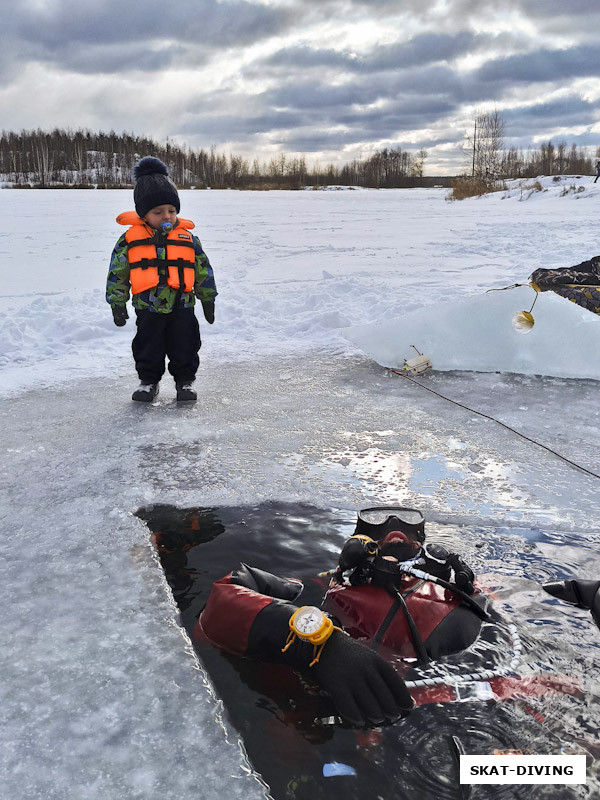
(415, 758)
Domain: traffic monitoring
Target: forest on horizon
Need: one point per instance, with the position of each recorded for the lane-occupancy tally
(84, 159)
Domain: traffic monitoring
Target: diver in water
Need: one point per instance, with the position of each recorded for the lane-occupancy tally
(393, 603)
(311, 672)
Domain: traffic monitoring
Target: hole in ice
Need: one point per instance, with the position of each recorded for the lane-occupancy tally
(270, 706)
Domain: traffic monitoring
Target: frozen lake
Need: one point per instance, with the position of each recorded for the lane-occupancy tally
(103, 695)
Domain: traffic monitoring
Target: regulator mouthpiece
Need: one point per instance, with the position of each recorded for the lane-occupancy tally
(523, 321)
(166, 227)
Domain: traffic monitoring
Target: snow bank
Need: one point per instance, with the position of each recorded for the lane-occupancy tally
(549, 186)
(477, 334)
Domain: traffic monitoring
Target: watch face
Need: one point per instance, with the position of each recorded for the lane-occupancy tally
(309, 620)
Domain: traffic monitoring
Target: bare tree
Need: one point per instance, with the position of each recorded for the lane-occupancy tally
(419, 163)
(43, 157)
(485, 144)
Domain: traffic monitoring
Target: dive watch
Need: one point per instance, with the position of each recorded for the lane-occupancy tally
(311, 625)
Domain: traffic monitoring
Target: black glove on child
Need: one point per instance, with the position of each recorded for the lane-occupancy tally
(120, 315)
(209, 312)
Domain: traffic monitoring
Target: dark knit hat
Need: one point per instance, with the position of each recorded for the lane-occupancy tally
(153, 187)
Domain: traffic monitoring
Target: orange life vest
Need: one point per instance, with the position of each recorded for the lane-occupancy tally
(142, 240)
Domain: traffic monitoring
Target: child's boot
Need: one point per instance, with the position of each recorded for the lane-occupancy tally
(146, 392)
(185, 391)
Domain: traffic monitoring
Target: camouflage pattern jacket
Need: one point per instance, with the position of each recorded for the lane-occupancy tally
(160, 298)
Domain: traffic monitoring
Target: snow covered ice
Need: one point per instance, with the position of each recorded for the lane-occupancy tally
(102, 695)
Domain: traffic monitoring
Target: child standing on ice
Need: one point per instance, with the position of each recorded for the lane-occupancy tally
(165, 269)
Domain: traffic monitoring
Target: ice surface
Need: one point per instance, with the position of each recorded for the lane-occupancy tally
(102, 696)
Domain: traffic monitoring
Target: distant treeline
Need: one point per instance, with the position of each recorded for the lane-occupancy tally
(66, 158)
(550, 159)
(82, 159)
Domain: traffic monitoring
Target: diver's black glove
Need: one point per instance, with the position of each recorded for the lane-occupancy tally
(120, 315)
(363, 687)
(209, 312)
(463, 574)
(583, 594)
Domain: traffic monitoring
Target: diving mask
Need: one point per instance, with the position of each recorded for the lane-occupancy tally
(376, 522)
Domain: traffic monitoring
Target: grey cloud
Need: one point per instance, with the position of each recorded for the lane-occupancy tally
(311, 141)
(311, 129)
(322, 99)
(583, 139)
(559, 8)
(209, 23)
(112, 58)
(543, 65)
(333, 144)
(341, 8)
(227, 127)
(415, 83)
(112, 36)
(302, 55)
(419, 97)
(421, 106)
(404, 114)
(319, 140)
(316, 95)
(488, 82)
(495, 77)
(467, 11)
(374, 124)
(572, 110)
(525, 142)
(425, 48)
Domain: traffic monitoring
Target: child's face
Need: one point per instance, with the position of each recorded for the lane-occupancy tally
(159, 214)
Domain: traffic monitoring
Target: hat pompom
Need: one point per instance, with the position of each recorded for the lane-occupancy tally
(153, 187)
(149, 166)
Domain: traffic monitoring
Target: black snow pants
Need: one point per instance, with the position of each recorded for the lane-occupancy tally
(175, 335)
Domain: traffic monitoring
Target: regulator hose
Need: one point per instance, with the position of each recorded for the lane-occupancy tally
(425, 576)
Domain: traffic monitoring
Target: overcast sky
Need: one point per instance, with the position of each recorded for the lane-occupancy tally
(334, 79)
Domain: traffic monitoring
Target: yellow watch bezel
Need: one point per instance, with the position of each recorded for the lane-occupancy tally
(320, 635)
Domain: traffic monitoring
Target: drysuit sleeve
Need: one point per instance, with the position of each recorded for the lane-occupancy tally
(243, 620)
(234, 604)
(586, 274)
